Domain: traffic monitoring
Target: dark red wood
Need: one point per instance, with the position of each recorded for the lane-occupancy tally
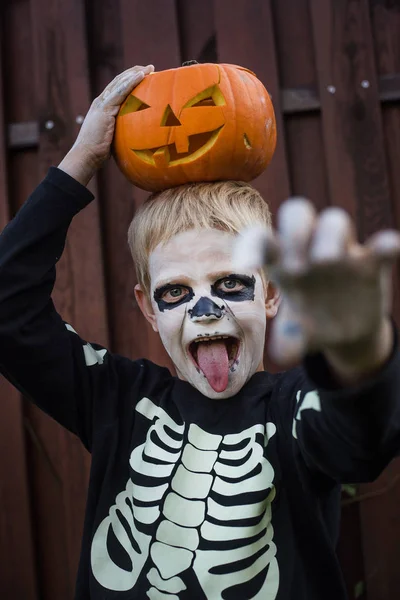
(128, 40)
(62, 95)
(385, 18)
(352, 124)
(305, 150)
(114, 191)
(17, 564)
(197, 31)
(380, 512)
(380, 519)
(345, 155)
(350, 550)
(245, 36)
(359, 182)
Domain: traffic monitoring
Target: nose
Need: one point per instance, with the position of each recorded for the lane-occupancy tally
(205, 309)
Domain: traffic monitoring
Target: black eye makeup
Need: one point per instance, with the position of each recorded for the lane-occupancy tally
(236, 288)
(171, 295)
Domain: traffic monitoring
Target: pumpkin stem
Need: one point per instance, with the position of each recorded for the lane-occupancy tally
(190, 62)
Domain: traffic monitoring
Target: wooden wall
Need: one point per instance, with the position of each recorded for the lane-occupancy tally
(333, 70)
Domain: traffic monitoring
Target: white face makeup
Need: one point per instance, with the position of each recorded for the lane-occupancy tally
(210, 316)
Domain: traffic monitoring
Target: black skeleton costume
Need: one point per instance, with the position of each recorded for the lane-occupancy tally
(189, 498)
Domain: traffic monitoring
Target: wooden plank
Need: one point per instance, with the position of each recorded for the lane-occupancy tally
(358, 180)
(16, 541)
(150, 33)
(23, 135)
(379, 512)
(197, 31)
(128, 333)
(386, 30)
(349, 550)
(301, 99)
(141, 33)
(304, 139)
(62, 94)
(245, 36)
(351, 118)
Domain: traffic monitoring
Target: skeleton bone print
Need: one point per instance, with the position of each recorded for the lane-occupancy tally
(210, 499)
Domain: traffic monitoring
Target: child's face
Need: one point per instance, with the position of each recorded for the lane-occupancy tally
(211, 318)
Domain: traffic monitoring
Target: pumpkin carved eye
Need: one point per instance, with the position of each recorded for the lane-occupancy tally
(133, 104)
(211, 96)
(206, 102)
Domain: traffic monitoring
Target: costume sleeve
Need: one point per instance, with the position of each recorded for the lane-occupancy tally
(349, 434)
(39, 353)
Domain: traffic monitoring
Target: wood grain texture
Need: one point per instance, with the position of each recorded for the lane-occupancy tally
(340, 148)
(245, 36)
(305, 149)
(129, 38)
(62, 94)
(351, 119)
(17, 556)
(380, 512)
(197, 31)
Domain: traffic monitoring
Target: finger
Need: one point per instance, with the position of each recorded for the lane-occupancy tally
(116, 92)
(296, 220)
(385, 246)
(254, 248)
(333, 236)
(288, 340)
(129, 73)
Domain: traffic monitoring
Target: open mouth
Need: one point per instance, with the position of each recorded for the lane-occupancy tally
(168, 156)
(232, 346)
(214, 356)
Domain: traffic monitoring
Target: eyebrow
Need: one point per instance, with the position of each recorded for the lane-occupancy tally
(186, 280)
(175, 279)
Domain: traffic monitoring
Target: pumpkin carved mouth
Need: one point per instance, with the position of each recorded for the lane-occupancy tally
(169, 156)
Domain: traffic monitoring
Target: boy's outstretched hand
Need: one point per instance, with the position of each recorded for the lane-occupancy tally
(336, 293)
(92, 146)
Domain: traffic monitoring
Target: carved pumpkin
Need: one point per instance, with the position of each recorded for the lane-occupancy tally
(201, 122)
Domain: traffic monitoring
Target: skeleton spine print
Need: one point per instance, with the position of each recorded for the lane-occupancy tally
(208, 498)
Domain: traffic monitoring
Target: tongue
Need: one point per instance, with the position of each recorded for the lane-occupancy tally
(212, 358)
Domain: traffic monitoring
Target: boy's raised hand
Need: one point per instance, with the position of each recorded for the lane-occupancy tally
(92, 146)
(336, 293)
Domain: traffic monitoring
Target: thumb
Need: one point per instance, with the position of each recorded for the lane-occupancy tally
(288, 340)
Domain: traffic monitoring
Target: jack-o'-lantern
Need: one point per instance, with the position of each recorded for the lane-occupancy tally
(199, 122)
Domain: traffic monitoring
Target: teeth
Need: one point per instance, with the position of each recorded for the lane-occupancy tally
(210, 338)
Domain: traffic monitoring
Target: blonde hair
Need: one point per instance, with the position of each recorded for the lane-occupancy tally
(226, 205)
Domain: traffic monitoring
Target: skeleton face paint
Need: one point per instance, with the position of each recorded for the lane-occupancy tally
(211, 318)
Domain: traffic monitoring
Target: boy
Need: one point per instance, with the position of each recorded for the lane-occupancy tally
(221, 482)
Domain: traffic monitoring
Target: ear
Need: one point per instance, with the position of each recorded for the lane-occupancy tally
(272, 300)
(145, 306)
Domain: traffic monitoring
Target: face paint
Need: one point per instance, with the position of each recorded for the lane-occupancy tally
(216, 331)
(164, 291)
(244, 288)
(206, 308)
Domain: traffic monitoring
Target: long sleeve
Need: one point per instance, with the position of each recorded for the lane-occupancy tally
(39, 353)
(348, 434)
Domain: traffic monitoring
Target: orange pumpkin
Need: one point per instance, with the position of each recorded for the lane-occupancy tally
(199, 122)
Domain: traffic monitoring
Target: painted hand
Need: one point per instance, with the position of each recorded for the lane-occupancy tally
(336, 293)
(92, 146)
(97, 130)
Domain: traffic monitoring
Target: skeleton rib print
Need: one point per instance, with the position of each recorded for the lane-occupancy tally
(210, 498)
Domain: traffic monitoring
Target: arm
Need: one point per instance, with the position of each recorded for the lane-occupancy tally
(41, 355)
(336, 304)
(38, 354)
(351, 432)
